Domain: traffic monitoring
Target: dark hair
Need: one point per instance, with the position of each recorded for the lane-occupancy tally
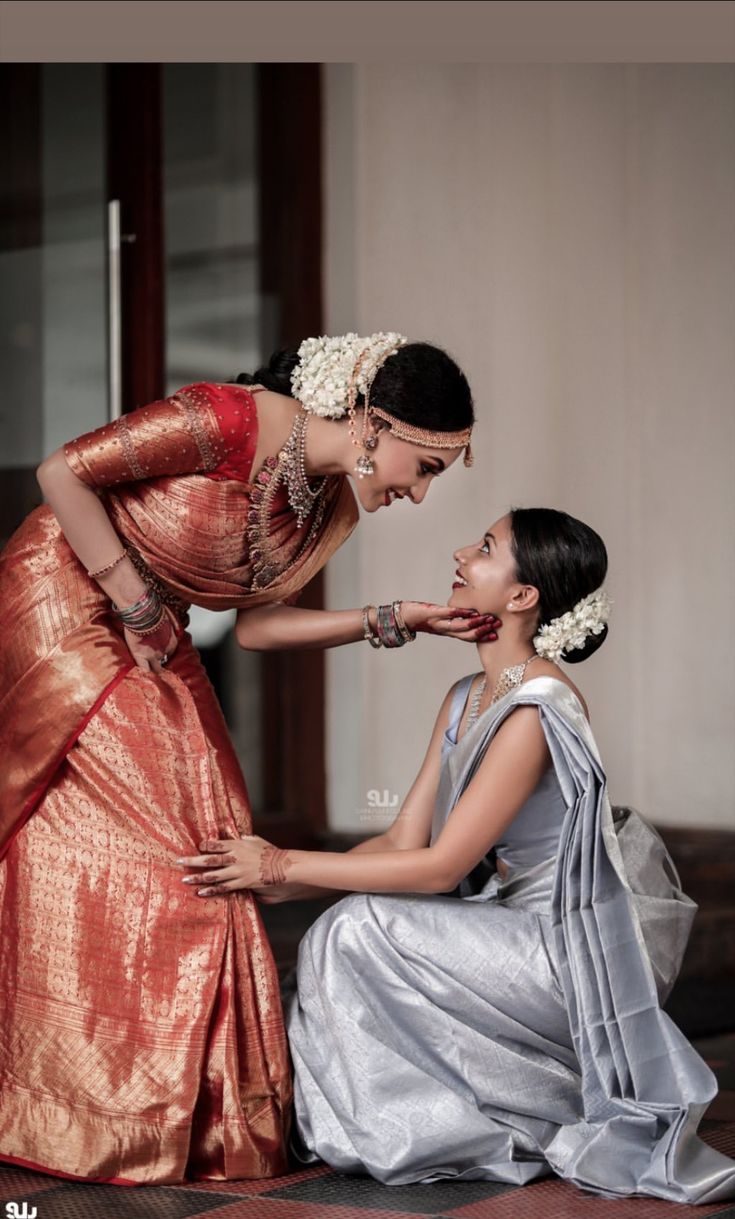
(564, 559)
(419, 384)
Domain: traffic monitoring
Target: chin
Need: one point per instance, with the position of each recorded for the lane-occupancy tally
(368, 502)
(375, 501)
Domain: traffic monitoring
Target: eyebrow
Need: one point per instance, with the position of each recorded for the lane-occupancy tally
(489, 535)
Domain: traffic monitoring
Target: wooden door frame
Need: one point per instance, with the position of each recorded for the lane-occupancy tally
(290, 213)
(134, 149)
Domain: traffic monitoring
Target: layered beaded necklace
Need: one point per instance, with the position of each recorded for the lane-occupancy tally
(289, 468)
(508, 680)
(292, 458)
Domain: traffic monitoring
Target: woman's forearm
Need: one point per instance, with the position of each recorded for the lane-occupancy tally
(391, 871)
(281, 627)
(87, 528)
(301, 892)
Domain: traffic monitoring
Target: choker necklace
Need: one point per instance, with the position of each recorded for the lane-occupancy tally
(508, 680)
(300, 495)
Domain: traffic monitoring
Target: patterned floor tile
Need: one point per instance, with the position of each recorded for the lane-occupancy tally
(84, 1201)
(284, 1208)
(361, 1193)
(721, 1137)
(615, 1210)
(17, 1183)
(554, 1199)
(253, 1189)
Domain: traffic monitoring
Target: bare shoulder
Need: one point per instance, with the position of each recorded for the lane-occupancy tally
(547, 668)
(273, 400)
(276, 414)
(279, 407)
(442, 719)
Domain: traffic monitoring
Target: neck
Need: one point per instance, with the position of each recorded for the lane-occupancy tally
(510, 648)
(328, 448)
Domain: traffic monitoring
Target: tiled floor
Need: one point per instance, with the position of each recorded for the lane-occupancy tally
(319, 1193)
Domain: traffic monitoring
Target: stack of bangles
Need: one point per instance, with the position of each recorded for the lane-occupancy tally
(392, 631)
(145, 615)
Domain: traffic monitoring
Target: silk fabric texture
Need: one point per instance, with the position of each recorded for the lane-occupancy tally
(142, 1032)
(515, 1028)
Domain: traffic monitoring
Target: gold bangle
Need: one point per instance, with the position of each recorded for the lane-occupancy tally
(368, 632)
(407, 632)
(103, 570)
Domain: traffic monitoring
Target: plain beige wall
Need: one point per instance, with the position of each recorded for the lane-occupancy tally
(566, 233)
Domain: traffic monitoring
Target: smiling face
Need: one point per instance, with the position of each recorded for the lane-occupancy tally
(486, 576)
(402, 470)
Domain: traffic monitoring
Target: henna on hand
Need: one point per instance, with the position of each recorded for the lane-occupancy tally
(274, 864)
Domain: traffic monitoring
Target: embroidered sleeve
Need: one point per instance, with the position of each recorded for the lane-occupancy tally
(181, 434)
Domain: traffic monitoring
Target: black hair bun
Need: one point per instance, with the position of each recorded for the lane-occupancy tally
(590, 646)
(275, 375)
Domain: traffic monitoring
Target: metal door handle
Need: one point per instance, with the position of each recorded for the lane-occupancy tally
(114, 312)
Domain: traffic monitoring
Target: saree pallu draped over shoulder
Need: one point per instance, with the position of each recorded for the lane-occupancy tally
(620, 925)
(142, 1036)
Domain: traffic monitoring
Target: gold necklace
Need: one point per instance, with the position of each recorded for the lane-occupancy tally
(508, 680)
(293, 455)
(287, 468)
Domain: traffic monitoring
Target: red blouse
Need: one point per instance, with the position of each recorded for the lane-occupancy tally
(237, 415)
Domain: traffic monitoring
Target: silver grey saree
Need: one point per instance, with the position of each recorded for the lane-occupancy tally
(514, 1028)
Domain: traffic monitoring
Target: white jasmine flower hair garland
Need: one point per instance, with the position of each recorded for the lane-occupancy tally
(322, 378)
(569, 632)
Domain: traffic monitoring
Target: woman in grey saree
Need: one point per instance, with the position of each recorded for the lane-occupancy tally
(512, 1027)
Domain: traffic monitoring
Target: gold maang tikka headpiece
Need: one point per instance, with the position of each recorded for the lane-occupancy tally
(400, 429)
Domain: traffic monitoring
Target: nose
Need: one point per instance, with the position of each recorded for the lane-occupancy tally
(417, 493)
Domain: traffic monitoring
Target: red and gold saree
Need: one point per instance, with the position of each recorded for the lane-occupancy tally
(141, 1039)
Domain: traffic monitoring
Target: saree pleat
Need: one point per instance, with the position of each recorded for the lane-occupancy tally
(165, 1003)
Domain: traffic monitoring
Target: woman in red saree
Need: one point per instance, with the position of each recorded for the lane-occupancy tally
(142, 1037)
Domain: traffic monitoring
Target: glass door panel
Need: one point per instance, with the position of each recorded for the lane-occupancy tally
(53, 264)
(210, 190)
